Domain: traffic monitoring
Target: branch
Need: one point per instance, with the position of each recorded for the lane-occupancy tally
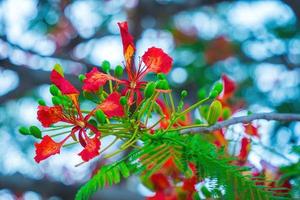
(247, 119)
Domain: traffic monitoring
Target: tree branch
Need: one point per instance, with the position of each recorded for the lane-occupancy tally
(247, 119)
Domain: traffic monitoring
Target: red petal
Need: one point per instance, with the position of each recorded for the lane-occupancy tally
(127, 40)
(46, 148)
(157, 60)
(160, 181)
(64, 85)
(229, 86)
(91, 149)
(251, 130)
(49, 115)
(245, 148)
(111, 106)
(95, 79)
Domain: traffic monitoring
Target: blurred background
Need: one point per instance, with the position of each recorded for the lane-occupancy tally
(256, 43)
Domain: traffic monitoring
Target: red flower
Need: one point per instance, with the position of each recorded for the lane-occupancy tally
(157, 61)
(64, 85)
(229, 87)
(95, 79)
(251, 130)
(160, 181)
(91, 148)
(46, 148)
(111, 106)
(127, 40)
(245, 148)
(49, 115)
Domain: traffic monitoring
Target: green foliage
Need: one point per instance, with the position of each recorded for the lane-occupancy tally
(106, 176)
(183, 149)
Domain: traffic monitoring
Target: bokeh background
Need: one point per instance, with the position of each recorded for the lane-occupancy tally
(256, 43)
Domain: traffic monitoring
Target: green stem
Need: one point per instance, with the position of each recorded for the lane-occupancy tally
(188, 127)
(172, 102)
(192, 107)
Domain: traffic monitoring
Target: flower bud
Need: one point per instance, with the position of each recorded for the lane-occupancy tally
(54, 90)
(213, 94)
(202, 94)
(35, 131)
(184, 93)
(100, 116)
(214, 112)
(105, 66)
(149, 89)
(81, 77)
(41, 102)
(161, 76)
(226, 113)
(123, 101)
(24, 130)
(56, 100)
(119, 71)
(93, 122)
(162, 84)
(218, 87)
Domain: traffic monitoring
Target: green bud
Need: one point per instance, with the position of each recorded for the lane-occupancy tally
(214, 112)
(162, 84)
(184, 93)
(81, 77)
(54, 90)
(119, 71)
(149, 89)
(35, 131)
(202, 94)
(105, 66)
(161, 76)
(100, 116)
(226, 113)
(213, 94)
(56, 100)
(24, 130)
(93, 122)
(218, 87)
(41, 102)
(123, 101)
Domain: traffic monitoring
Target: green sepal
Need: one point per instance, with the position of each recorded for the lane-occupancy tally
(100, 116)
(35, 131)
(57, 67)
(149, 89)
(214, 112)
(24, 130)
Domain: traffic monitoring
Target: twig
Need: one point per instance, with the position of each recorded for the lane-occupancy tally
(246, 119)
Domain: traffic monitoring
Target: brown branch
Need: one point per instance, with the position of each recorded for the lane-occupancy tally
(247, 119)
